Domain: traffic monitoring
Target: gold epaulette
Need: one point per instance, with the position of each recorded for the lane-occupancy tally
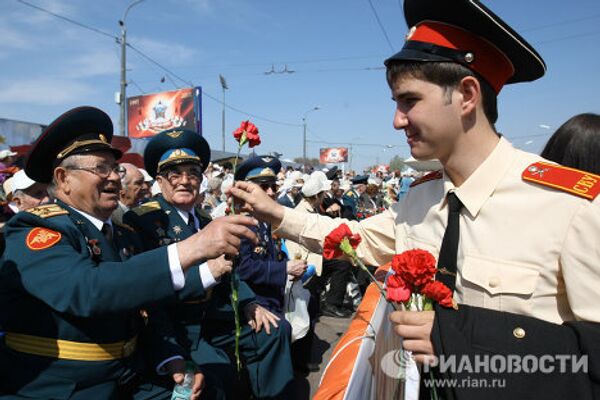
(47, 210)
(429, 177)
(146, 208)
(574, 181)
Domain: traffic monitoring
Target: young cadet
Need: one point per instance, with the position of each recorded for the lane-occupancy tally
(204, 326)
(514, 235)
(70, 289)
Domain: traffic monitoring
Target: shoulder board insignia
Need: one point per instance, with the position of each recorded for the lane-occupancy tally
(47, 210)
(146, 208)
(429, 177)
(42, 238)
(575, 181)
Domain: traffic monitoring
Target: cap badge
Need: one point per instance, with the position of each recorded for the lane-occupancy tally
(174, 134)
(410, 33)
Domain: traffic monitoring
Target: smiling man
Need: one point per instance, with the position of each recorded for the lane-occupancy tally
(204, 326)
(514, 235)
(74, 288)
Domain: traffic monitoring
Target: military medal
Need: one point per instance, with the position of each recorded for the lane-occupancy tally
(94, 248)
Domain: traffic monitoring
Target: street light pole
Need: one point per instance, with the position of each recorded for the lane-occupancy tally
(315, 108)
(123, 92)
(224, 87)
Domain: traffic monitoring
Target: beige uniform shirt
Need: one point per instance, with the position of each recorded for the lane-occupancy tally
(524, 248)
(297, 251)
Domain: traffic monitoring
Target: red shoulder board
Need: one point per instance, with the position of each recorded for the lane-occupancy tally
(429, 177)
(580, 183)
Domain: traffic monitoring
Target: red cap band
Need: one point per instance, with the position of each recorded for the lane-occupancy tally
(485, 58)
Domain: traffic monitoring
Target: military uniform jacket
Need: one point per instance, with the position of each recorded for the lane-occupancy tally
(524, 248)
(61, 279)
(260, 269)
(159, 225)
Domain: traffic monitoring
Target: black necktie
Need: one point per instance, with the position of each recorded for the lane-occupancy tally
(448, 252)
(192, 223)
(107, 232)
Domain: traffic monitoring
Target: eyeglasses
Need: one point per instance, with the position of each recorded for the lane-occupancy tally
(176, 175)
(267, 186)
(101, 170)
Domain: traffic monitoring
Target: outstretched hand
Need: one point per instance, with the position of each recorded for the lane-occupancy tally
(249, 197)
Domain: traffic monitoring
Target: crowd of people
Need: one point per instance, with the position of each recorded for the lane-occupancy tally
(118, 282)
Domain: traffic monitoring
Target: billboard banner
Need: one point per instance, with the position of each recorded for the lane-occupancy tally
(333, 155)
(152, 113)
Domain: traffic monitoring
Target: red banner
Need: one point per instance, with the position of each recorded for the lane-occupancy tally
(149, 114)
(333, 155)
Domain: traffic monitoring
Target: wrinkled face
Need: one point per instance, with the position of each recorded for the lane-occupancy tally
(135, 189)
(90, 183)
(31, 197)
(429, 116)
(180, 185)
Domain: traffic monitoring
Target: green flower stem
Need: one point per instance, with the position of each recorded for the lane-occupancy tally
(236, 312)
(235, 279)
(351, 252)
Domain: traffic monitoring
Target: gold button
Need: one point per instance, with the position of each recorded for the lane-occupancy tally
(519, 333)
(494, 281)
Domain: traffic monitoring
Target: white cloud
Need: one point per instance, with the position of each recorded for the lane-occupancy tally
(94, 63)
(168, 54)
(45, 92)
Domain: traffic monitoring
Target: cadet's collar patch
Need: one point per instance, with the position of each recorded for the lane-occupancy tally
(429, 177)
(577, 182)
(42, 238)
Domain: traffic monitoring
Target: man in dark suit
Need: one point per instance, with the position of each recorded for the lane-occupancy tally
(74, 288)
(204, 327)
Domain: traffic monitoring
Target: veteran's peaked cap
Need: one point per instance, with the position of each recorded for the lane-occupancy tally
(78, 131)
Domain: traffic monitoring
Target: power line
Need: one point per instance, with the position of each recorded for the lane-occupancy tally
(381, 25)
(72, 21)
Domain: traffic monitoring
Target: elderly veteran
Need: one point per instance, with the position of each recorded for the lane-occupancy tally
(515, 236)
(203, 326)
(260, 265)
(74, 287)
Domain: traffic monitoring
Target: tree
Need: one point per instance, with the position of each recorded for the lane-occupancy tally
(313, 162)
(397, 163)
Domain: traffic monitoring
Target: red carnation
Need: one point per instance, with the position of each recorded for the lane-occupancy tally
(333, 241)
(397, 290)
(437, 291)
(416, 267)
(247, 132)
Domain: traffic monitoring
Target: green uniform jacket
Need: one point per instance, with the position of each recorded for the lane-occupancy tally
(60, 278)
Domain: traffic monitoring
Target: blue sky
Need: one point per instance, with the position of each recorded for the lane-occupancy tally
(335, 47)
